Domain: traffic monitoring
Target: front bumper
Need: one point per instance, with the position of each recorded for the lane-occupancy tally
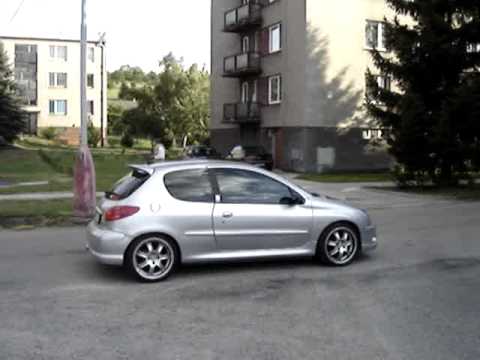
(369, 238)
(105, 245)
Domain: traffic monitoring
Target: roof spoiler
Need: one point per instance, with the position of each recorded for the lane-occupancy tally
(145, 168)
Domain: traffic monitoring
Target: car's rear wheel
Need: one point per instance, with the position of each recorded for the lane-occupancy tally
(338, 245)
(152, 258)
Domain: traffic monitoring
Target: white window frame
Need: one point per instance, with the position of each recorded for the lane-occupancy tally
(271, 80)
(91, 54)
(372, 134)
(55, 80)
(380, 41)
(271, 46)
(55, 107)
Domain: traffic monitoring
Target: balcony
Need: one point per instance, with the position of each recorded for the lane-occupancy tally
(243, 17)
(245, 64)
(241, 113)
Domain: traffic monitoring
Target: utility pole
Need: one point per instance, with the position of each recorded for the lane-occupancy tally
(84, 173)
(102, 43)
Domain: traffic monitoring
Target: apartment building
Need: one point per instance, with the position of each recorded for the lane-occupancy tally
(47, 73)
(289, 75)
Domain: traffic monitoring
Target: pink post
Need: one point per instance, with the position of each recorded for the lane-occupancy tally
(85, 200)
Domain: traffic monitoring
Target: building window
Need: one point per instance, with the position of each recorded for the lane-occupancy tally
(58, 107)
(372, 134)
(375, 35)
(90, 81)
(275, 89)
(383, 82)
(275, 38)
(91, 107)
(91, 54)
(473, 48)
(245, 44)
(58, 80)
(59, 52)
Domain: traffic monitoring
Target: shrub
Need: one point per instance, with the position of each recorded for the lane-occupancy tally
(49, 133)
(94, 136)
(127, 140)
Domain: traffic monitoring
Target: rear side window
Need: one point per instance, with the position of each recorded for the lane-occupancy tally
(128, 185)
(190, 185)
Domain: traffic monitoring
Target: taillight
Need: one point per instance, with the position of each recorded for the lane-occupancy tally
(120, 212)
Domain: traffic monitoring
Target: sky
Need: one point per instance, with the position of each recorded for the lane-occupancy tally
(139, 32)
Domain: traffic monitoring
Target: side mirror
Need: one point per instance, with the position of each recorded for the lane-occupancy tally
(289, 201)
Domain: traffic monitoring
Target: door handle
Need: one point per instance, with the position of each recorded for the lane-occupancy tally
(227, 215)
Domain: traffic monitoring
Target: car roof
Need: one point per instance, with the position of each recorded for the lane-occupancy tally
(186, 164)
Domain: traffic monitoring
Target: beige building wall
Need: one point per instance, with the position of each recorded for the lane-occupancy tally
(46, 65)
(337, 60)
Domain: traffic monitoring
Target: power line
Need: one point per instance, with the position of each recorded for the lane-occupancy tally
(16, 11)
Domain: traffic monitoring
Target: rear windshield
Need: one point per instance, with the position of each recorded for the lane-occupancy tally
(128, 185)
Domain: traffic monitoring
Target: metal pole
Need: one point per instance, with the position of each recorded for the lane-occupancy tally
(84, 201)
(83, 77)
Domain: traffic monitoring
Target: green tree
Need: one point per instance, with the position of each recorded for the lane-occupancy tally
(12, 117)
(116, 124)
(434, 64)
(174, 107)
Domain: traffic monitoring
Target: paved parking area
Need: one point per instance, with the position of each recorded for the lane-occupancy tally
(416, 298)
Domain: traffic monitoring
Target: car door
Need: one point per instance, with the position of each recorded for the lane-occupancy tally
(248, 214)
(189, 210)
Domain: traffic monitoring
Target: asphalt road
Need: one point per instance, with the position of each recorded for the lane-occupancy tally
(417, 297)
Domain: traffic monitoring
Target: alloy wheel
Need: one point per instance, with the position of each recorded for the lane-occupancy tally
(153, 258)
(341, 245)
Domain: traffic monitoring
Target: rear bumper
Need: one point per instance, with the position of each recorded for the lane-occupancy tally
(369, 239)
(105, 245)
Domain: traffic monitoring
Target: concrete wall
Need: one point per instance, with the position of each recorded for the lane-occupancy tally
(72, 92)
(223, 90)
(290, 63)
(337, 61)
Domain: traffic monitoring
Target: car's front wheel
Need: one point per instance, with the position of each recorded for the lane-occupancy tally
(152, 258)
(338, 245)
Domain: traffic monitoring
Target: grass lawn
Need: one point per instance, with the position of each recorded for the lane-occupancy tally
(56, 167)
(347, 177)
(50, 208)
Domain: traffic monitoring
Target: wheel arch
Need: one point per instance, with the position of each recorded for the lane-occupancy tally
(340, 222)
(152, 234)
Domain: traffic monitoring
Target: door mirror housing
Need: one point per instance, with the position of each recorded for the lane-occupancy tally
(291, 201)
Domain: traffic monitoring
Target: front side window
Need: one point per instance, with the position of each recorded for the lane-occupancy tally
(247, 187)
(190, 185)
(275, 38)
(275, 89)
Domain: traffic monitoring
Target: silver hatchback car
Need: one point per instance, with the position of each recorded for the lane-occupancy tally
(164, 215)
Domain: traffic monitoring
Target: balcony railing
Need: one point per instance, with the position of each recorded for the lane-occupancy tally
(243, 17)
(245, 64)
(241, 113)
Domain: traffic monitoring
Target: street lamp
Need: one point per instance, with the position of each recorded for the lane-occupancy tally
(84, 173)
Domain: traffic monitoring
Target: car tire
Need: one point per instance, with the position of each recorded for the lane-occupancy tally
(152, 258)
(338, 245)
